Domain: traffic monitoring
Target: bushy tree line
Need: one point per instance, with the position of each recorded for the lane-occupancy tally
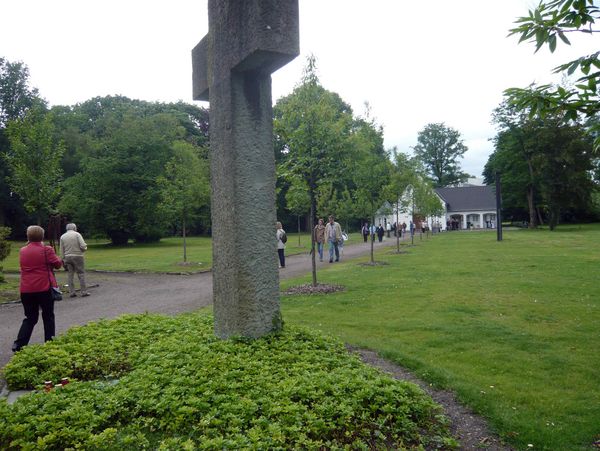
(121, 168)
(129, 169)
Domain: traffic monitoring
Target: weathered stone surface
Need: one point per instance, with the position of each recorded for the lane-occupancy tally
(232, 66)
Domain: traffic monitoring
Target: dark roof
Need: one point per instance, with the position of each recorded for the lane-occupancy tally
(467, 198)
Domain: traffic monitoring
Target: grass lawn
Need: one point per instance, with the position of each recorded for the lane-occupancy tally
(164, 256)
(9, 289)
(511, 327)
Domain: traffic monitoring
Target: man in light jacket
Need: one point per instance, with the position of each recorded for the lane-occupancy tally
(333, 234)
(72, 248)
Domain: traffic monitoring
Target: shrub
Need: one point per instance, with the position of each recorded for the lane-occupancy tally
(168, 383)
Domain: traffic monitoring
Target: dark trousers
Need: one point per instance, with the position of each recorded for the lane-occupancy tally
(32, 303)
(365, 236)
(281, 257)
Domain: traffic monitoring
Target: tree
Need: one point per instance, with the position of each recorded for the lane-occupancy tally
(298, 200)
(184, 187)
(513, 158)
(405, 173)
(439, 148)
(117, 191)
(544, 164)
(564, 164)
(545, 25)
(371, 172)
(16, 98)
(34, 161)
(117, 148)
(425, 201)
(311, 127)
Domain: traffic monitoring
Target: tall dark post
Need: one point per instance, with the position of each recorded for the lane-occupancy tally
(498, 207)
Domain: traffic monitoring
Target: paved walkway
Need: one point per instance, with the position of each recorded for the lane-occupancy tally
(119, 293)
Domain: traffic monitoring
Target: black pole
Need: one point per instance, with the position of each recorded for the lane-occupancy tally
(498, 207)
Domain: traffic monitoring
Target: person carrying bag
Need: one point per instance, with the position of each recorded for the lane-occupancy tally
(36, 288)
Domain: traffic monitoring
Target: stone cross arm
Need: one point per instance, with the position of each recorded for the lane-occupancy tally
(244, 35)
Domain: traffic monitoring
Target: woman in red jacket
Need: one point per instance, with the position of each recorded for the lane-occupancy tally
(36, 262)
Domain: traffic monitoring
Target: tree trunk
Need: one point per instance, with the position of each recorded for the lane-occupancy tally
(372, 238)
(532, 212)
(532, 219)
(553, 220)
(397, 225)
(184, 241)
(313, 205)
(298, 230)
(539, 216)
(313, 211)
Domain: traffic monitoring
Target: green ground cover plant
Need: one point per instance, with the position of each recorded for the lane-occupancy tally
(151, 381)
(511, 326)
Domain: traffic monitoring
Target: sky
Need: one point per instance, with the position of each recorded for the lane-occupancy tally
(414, 62)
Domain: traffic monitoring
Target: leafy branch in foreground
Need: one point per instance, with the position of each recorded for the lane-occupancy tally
(544, 26)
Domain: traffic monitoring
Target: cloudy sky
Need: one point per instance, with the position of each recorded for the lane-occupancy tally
(414, 62)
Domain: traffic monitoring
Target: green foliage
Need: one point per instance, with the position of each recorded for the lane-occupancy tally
(439, 148)
(4, 247)
(16, 99)
(34, 161)
(297, 197)
(16, 96)
(117, 191)
(371, 172)
(312, 126)
(545, 165)
(544, 24)
(140, 384)
(184, 187)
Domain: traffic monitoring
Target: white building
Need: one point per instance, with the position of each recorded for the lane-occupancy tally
(469, 206)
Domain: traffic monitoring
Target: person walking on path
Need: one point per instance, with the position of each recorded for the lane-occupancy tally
(37, 279)
(72, 248)
(281, 239)
(365, 231)
(380, 232)
(333, 233)
(320, 237)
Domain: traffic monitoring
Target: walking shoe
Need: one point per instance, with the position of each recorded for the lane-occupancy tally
(15, 347)
(330, 261)
(73, 295)
(84, 294)
(337, 259)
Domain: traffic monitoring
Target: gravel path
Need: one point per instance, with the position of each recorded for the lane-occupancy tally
(113, 294)
(117, 293)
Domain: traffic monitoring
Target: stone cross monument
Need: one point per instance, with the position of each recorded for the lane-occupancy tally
(247, 40)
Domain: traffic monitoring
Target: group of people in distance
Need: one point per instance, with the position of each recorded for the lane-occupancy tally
(37, 263)
(330, 233)
(372, 231)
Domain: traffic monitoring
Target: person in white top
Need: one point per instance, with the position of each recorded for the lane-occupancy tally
(72, 247)
(281, 239)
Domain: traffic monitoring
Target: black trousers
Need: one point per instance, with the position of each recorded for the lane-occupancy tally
(281, 257)
(32, 303)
